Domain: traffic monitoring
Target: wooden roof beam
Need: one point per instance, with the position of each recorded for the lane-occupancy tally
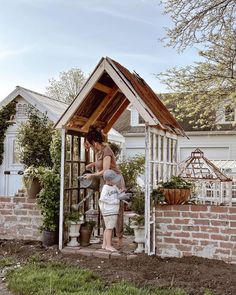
(105, 102)
(116, 115)
(101, 87)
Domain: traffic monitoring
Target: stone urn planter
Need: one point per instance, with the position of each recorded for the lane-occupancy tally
(73, 220)
(137, 224)
(74, 233)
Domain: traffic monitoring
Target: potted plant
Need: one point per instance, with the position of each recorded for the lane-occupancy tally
(86, 230)
(176, 191)
(31, 181)
(49, 203)
(138, 221)
(73, 220)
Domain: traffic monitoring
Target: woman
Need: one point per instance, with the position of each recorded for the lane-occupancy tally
(104, 160)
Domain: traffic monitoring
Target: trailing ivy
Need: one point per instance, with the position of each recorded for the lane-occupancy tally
(5, 114)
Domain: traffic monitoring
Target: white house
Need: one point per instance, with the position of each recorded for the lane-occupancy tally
(11, 168)
(216, 145)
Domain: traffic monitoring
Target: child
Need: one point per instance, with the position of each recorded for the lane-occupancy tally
(109, 204)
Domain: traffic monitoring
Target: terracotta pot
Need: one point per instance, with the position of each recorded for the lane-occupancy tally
(176, 196)
(85, 235)
(34, 189)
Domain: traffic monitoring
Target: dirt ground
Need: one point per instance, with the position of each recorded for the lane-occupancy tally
(190, 273)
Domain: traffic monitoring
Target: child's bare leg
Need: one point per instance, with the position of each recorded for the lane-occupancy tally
(109, 240)
(104, 244)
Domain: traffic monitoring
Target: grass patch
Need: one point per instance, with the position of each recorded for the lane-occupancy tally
(40, 278)
(6, 261)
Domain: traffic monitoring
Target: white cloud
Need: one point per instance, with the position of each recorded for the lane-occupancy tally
(6, 53)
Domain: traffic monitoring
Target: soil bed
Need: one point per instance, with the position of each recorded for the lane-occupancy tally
(192, 274)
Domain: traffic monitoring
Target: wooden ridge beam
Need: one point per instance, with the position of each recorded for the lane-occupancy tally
(116, 115)
(105, 102)
(101, 87)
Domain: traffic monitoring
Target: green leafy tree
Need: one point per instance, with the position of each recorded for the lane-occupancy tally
(130, 169)
(34, 139)
(201, 90)
(5, 114)
(67, 86)
(198, 21)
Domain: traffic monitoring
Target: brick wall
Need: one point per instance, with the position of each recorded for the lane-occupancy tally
(19, 218)
(198, 230)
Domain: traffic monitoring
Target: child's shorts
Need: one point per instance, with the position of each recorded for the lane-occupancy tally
(110, 221)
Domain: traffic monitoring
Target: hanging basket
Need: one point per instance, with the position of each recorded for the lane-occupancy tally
(176, 196)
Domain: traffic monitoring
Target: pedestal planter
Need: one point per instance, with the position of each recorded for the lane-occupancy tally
(74, 232)
(176, 196)
(139, 237)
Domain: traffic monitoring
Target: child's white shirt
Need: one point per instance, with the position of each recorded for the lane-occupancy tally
(109, 202)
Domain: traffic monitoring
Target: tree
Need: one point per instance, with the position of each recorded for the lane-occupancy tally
(67, 86)
(205, 85)
(197, 21)
(34, 140)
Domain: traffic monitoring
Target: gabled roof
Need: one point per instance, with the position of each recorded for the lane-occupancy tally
(107, 93)
(43, 103)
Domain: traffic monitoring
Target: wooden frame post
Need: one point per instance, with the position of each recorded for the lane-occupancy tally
(61, 213)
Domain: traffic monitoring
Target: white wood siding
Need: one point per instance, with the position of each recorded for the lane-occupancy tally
(215, 147)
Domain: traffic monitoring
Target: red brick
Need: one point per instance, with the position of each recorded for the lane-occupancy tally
(6, 212)
(181, 208)
(20, 212)
(208, 215)
(210, 229)
(181, 221)
(5, 199)
(200, 235)
(10, 218)
(33, 201)
(181, 235)
(189, 242)
(29, 206)
(159, 240)
(171, 214)
(228, 231)
(219, 222)
(164, 220)
(201, 222)
(232, 224)
(189, 214)
(163, 234)
(131, 256)
(208, 242)
(101, 254)
(34, 213)
(185, 248)
(159, 214)
(171, 241)
(232, 210)
(199, 208)
(223, 251)
(85, 252)
(233, 238)
(227, 245)
(25, 219)
(190, 228)
(219, 209)
(188, 254)
(232, 217)
(173, 227)
(219, 237)
(164, 208)
(19, 200)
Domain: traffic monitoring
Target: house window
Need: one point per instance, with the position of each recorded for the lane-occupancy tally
(140, 119)
(229, 114)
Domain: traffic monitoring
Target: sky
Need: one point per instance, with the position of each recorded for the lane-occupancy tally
(41, 38)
